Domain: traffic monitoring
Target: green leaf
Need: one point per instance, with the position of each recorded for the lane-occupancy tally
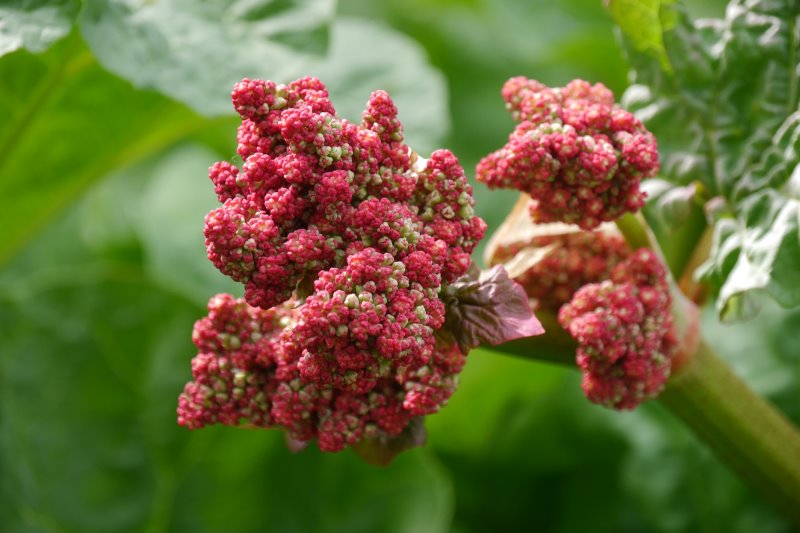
(643, 24)
(358, 63)
(726, 116)
(195, 51)
(169, 216)
(35, 24)
(675, 213)
(64, 123)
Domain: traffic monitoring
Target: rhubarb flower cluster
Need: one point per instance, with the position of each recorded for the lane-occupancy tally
(314, 189)
(247, 371)
(624, 329)
(579, 156)
(570, 261)
(343, 238)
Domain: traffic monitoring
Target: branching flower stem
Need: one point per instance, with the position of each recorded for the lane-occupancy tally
(743, 429)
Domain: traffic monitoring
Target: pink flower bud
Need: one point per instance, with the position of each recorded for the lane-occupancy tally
(624, 329)
(579, 156)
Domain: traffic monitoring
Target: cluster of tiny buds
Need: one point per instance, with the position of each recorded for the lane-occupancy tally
(579, 156)
(571, 261)
(359, 234)
(250, 371)
(624, 329)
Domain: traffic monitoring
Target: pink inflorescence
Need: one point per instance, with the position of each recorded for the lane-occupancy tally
(625, 333)
(579, 156)
(573, 260)
(349, 227)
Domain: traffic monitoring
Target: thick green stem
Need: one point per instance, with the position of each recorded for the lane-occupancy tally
(742, 428)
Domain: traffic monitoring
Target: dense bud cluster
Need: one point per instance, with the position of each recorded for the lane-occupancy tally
(251, 368)
(359, 234)
(624, 329)
(571, 261)
(578, 155)
(315, 188)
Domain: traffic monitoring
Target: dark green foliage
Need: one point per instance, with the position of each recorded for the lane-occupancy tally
(721, 95)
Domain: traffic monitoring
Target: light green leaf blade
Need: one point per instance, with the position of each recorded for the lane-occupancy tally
(644, 22)
(195, 51)
(35, 24)
(64, 123)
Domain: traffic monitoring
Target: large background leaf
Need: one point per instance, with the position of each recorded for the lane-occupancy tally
(35, 24)
(195, 51)
(64, 123)
(723, 106)
(103, 276)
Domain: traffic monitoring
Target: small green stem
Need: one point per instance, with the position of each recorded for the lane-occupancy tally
(635, 230)
(742, 428)
(696, 291)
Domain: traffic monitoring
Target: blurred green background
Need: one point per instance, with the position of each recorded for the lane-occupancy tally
(110, 114)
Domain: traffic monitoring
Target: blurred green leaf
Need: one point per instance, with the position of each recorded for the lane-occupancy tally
(169, 217)
(195, 51)
(35, 24)
(726, 115)
(233, 40)
(365, 56)
(64, 123)
(643, 25)
(525, 448)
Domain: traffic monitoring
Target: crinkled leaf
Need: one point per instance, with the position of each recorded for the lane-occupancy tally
(35, 24)
(488, 308)
(675, 213)
(195, 51)
(725, 115)
(381, 451)
(668, 205)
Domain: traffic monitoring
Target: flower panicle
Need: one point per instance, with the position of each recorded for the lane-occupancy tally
(343, 238)
(579, 156)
